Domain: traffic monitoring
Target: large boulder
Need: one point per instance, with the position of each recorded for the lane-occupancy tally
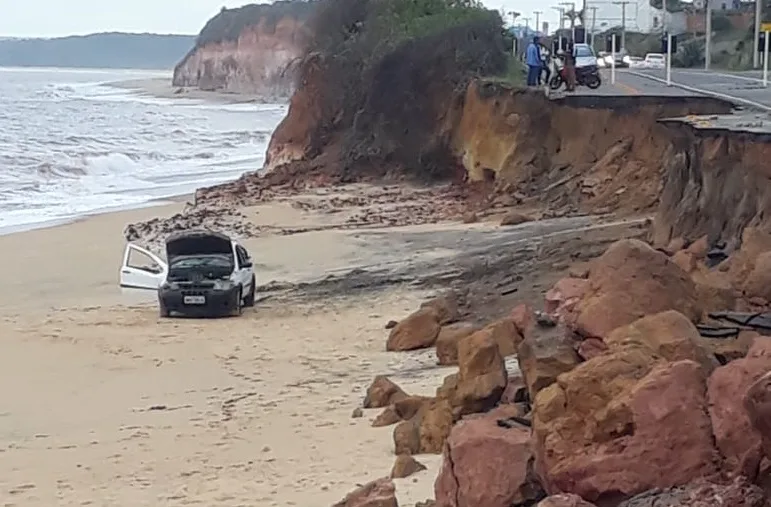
(701, 493)
(629, 281)
(543, 357)
(481, 374)
(486, 465)
(623, 423)
(378, 493)
(669, 335)
(382, 393)
(562, 298)
(447, 341)
(757, 402)
(446, 307)
(419, 330)
(737, 440)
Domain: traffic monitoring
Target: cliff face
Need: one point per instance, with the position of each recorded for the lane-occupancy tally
(254, 49)
(717, 182)
(579, 152)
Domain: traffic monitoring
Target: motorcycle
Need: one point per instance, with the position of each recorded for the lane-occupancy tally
(585, 76)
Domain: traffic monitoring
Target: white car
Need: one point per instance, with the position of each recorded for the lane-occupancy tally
(205, 273)
(584, 56)
(655, 61)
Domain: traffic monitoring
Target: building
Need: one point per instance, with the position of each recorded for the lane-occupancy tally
(637, 16)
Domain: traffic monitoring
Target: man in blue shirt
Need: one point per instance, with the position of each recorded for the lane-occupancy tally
(533, 61)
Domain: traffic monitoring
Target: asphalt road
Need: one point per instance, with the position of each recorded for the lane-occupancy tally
(744, 89)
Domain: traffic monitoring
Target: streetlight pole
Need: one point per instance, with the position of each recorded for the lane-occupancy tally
(594, 20)
(562, 16)
(708, 42)
(537, 19)
(758, 15)
(623, 4)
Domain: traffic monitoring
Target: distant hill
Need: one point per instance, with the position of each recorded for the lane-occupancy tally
(99, 50)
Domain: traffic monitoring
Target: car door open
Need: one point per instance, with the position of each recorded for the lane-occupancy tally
(141, 269)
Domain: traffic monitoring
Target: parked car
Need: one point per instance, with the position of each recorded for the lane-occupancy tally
(655, 61)
(205, 273)
(584, 56)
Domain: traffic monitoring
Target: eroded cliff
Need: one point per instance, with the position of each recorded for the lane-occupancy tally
(254, 49)
(717, 181)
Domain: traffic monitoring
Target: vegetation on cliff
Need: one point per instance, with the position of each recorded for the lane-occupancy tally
(230, 23)
(387, 71)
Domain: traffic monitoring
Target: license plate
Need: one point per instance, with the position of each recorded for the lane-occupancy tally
(194, 300)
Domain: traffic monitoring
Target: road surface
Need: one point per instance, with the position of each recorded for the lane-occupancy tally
(744, 89)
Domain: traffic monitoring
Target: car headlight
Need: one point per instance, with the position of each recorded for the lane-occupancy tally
(223, 284)
(169, 285)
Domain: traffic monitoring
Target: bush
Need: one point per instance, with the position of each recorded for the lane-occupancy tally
(389, 67)
(230, 23)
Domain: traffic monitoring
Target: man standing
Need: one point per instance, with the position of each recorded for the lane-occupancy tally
(533, 60)
(545, 63)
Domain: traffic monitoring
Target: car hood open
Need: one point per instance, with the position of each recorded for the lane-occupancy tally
(197, 243)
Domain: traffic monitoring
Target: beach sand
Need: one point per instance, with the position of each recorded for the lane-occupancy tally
(106, 404)
(161, 87)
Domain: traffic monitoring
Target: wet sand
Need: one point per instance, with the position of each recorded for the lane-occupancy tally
(161, 87)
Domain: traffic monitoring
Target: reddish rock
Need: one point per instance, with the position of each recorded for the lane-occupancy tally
(386, 418)
(669, 335)
(543, 357)
(515, 218)
(591, 348)
(481, 374)
(407, 436)
(405, 465)
(758, 282)
(486, 465)
(699, 248)
(730, 349)
(564, 500)
(418, 331)
(757, 402)
(629, 281)
(524, 318)
(621, 424)
(736, 439)
(563, 297)
(504, 332)
(383, 392)
(436, 420)
(378, 493)
(446, 307)
(407, 407)
(700, 493)
(675, 245)
(741, 264)
(447, 342)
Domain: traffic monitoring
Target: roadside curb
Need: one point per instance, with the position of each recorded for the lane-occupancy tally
(723, 96)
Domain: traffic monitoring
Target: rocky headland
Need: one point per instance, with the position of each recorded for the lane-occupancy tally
(639, 366)
(252, 50)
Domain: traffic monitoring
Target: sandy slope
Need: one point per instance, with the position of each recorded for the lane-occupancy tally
(162, 88)
(105, 404)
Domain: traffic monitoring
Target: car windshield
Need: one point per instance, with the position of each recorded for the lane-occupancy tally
(201, 261)
(583, 51)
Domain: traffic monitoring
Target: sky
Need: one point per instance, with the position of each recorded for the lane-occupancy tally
(56, 18)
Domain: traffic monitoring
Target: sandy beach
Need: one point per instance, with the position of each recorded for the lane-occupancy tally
(161, 87)
(111, 405)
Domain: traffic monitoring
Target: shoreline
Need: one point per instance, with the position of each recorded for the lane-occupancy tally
(161, 88)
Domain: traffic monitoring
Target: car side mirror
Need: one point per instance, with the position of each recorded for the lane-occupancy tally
(247, 264)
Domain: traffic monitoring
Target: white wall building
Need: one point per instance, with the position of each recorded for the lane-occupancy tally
(640, 17)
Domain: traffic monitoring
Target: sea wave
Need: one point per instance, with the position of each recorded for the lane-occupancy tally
(70, 145)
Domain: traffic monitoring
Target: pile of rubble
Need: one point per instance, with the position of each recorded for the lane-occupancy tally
(619, 400)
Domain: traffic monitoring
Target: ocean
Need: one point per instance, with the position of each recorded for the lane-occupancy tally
(72, 145)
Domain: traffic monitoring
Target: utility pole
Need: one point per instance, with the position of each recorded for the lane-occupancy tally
(527, 25)
(537, 19)
(708, 42)
(562, 16)
(594, 19)
(623, 4)
(758, 15)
